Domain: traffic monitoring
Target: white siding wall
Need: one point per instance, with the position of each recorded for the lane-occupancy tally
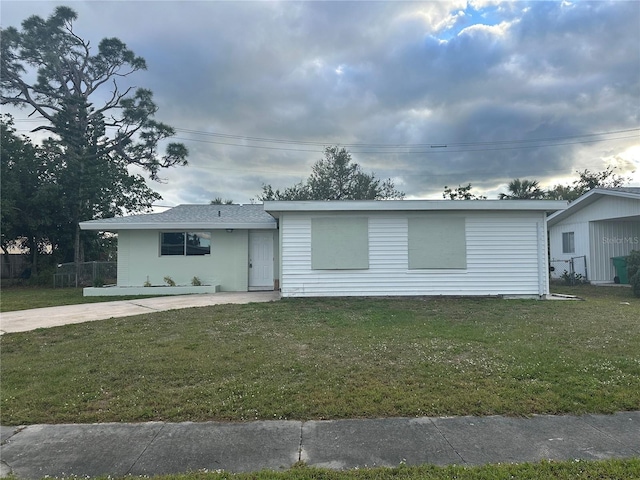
(559, 260)
(611, 239)
(607, 208)
(506, 255)
(588, 228)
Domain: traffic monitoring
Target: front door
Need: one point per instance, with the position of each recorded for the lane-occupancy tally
(260, 260)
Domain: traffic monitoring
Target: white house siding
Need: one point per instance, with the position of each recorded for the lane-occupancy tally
(506, 255)
(560, 261)
(610, 239)
(139, 260)
(607, 208)
(591, 225)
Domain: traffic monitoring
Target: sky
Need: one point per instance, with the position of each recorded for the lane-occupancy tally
(425, 93)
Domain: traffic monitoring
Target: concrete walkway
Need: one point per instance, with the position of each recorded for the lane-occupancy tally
(156, 448)
(25, 320)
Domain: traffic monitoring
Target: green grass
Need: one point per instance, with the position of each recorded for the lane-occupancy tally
(621, 292)
(570, 470)
(331, 358)
(23, 298)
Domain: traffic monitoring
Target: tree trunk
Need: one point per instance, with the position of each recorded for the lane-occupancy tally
(34, 257)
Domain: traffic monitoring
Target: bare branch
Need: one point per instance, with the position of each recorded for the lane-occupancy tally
(45, 127)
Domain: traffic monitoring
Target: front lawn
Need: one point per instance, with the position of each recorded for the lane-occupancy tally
(21, 298)
(330, 358)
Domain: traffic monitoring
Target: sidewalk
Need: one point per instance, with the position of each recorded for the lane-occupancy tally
(37, 451)
(155, 448)
(25, 320)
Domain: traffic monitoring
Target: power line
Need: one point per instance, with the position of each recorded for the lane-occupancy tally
(232, 140)
(434, 149)
(399, 145)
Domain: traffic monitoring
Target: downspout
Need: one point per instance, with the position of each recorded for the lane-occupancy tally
(543, 263)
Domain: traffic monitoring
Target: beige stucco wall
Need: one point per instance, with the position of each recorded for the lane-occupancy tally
(139, 259)
(230, 259)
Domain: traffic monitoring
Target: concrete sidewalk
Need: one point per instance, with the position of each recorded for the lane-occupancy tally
(156, 448)
(25, 320)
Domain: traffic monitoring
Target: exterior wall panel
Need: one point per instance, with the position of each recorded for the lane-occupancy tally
(606, 208)
(559, 260)
(139, 258)
(593, 225)
(611, 239)
(503, 258)
(124, 242)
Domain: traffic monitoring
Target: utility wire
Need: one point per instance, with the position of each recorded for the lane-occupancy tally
(439, 148)
(232, 140)
(397, 145)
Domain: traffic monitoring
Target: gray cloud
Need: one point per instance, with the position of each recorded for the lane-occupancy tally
(394, 73)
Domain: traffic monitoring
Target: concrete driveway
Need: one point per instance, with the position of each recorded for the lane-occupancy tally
(25, 320)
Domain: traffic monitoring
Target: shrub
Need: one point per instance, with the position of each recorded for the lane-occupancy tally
(147, 283)
(169, 281)
(196, 282)
(44, 277)
(633, 270)
(572, 278)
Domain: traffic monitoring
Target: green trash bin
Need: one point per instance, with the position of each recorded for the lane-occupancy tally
(620, 264)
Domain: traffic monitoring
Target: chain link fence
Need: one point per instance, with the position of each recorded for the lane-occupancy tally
(87, 274)
(572, 271)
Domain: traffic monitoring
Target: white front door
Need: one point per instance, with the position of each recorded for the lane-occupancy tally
(260, 260)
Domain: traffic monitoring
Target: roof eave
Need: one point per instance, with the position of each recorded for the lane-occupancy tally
(276, 207)
(586, 200)
(114, 227)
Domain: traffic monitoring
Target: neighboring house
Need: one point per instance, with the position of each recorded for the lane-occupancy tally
(600, 225)
(229, 247)
(14, 265)
(413, 247)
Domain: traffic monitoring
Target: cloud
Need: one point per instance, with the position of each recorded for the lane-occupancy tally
(485, 78)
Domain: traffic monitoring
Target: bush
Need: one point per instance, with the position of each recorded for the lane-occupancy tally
(633, 270)
(572, 278)
(169, 281)
(196, 282)
(44, 277)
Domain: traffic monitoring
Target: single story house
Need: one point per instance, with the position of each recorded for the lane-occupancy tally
(413, 247)
(226, 247)
(341, 248)
(598, 226)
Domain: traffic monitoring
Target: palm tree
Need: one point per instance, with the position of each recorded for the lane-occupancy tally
(220, 201)
(522, 190)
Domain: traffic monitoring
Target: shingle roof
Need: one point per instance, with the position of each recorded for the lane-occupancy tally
(190, 216)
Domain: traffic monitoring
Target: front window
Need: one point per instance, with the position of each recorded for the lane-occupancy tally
(185, 243)
(568, 243)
